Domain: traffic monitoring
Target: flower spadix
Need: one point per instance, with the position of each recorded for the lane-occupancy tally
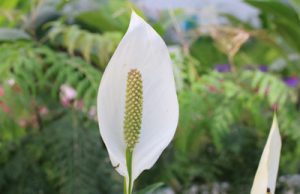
(137, 102)
(266, 175)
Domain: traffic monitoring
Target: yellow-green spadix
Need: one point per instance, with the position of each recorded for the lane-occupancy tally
(137, 102)
(266, 175)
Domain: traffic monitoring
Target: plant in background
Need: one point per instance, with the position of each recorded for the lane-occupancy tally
(47, 45)
(137, 102)
(266, 175)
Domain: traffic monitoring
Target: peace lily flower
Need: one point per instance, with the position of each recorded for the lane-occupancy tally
(266, 175)
(137, 102)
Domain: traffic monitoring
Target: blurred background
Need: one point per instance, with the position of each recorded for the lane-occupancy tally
(235, 62)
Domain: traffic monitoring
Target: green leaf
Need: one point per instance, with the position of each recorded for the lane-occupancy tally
(206, 53)
(7, 5)
(92, 19)
(276, 8)
(296, 5)
(114, 16)
(283, 17)
(7, 34)
(150, 189)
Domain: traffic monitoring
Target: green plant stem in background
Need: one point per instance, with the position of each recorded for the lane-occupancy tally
(128, 190)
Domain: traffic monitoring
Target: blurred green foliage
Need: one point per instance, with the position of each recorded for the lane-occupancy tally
(49, 145)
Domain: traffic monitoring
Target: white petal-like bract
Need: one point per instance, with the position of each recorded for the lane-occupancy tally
(143, 49)
(266, 175)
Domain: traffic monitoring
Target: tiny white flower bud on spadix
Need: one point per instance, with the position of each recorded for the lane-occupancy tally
(137, 103)
(266, 175)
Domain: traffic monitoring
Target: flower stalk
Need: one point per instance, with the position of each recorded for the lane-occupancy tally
(129, 169)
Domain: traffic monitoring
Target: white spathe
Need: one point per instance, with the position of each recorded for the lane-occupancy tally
(143, 49)
(266, 174)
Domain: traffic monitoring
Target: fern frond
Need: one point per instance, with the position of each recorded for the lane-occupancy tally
(38, 68)
(268, 86)
(78, 164)
(96, 48)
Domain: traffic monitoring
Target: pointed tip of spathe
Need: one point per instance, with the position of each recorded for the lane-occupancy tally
(275, 123)
(135, 18)
(267, 171)
(133, 12)
(135, 15)
(275, 117)
(135, 21)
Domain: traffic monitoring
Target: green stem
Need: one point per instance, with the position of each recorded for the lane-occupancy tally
(125, 187)
(129, 169)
